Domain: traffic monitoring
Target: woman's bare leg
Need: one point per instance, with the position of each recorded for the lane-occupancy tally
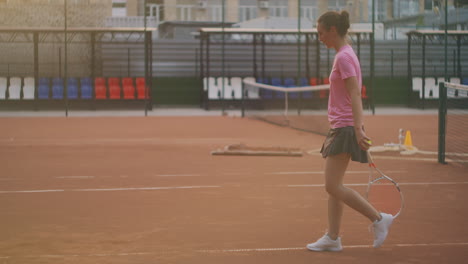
(335, 168)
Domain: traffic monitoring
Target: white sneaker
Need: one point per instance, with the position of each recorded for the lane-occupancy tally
(381, 229)
(325, 243)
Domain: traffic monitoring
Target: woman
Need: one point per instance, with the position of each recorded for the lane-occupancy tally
(346, 139)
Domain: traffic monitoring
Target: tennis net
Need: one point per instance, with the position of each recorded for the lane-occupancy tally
(298, 107)
(453, 123)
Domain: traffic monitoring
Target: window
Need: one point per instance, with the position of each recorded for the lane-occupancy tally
(402, 8)
(309, 12)
(278, 11)
(380, 10)
(247, 12)
(184, 12)
(154, 8)
(337, 5)
(216, 13)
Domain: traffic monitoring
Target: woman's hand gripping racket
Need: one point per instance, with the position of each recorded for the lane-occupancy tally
(383, 192)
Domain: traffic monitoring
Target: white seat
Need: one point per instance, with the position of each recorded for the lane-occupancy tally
(212, 88)
(417, 85)
(28, 89)
(205, 84)
(3, 88)
(236, 84)
(228, 91)
(454, 80)
(15, 88)
(251, 93)
(461, 93)
(431, 86)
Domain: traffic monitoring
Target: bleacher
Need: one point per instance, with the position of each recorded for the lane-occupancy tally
(431, 86)
(51, 91)
(213, 87)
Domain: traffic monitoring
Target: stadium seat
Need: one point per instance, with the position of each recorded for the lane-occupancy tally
(289, 83)
(364, 92)
(142, 89)
(454, 80)
(57, 88)
(265, 94)
(277, 82)
(114, 88)
(236, 84)
(323, 94)
(464, 81)
(228, 91)
(213, 89)
(100, 88)
(86, 88)
(72, 88)
(28, 88)
(313, 81)
(128, 88)
(252, 93)
(430, 87)
(15, 88)
(3, 88)
(365, 97)
(43, 88)
(416, 84)
(304, 82)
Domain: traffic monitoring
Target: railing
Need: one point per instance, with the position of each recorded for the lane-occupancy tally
(132, 21)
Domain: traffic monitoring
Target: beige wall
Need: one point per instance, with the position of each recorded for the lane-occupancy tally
(132, 8)
(18, 14)
(170, 10)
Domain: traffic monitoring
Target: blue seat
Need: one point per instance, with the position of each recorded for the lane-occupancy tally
(72, 88)
(277, 82)
(304, 82)
(289, 83)
(57, 88)
(43, 88)
(265, 94)
(86, 88)
(464, 81)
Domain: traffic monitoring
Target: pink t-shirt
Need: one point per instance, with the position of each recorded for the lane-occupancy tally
(345, 65)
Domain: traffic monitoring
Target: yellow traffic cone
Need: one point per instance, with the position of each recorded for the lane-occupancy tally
(408, 141)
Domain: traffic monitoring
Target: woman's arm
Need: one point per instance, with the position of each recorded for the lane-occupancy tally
(352, 86)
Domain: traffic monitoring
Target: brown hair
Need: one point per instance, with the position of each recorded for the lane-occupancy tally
(334, 19)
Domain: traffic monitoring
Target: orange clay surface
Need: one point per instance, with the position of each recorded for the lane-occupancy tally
(146, 190)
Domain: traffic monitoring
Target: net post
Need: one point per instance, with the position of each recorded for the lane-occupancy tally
(442, 121)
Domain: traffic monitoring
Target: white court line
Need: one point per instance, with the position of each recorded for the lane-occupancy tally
(322, 172)
(112, 189)
(350, 246)
(400, 183)
(218, 251)
(75, 177)
(178, 175)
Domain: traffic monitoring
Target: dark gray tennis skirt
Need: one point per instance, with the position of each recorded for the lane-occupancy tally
(343, 140)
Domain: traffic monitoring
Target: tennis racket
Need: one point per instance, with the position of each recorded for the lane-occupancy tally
(383, 192)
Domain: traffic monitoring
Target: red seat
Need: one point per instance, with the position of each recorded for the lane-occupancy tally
(128, 88)
(324, 93)
(364, 92)
(313, 81)
(100, 88)
(114, 88)
(142, 89)
(127, 81)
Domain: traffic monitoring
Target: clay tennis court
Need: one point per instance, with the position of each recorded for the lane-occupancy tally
(146, 190)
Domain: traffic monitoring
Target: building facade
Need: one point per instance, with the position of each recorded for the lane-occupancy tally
(242, 10)
(50, 13)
